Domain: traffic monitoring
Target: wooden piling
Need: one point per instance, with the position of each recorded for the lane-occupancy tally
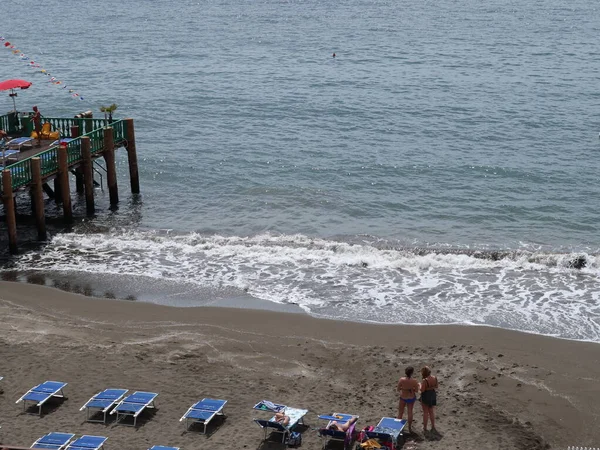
(134, 177)
(63, 176)
(57, 191)
(9, 208)
(79, 183)
(48, 190)
(88, 175)
(37, 197)
(111, 169)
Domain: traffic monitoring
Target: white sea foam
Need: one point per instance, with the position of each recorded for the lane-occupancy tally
(534, 292)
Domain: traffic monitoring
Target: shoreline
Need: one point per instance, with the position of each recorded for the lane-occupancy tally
(499, 388)
(96, 290)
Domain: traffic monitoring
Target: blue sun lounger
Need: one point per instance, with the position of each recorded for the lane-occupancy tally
(56, 441)
(7, 155)
(387, 430)
(102, 402)
(17, 143)
(133, 405)
(62, 141)
(87, 442)
(296, 416)
(162, 447)
(42, 393)
(328, 434)
(204, 411)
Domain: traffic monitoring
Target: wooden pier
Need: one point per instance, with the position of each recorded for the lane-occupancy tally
(34, 168)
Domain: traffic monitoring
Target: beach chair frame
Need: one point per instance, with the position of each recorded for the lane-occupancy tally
(328, 435)
(99, 445)
(52, 441)
(275, 427)
(92, 409)
(42, 394)
(134, 412)
(210, 411)
(162, 447)
(384, 432)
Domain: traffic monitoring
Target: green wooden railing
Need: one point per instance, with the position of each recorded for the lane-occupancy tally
(10, 123)
(4, 123)
(85, 125)
(21, 171)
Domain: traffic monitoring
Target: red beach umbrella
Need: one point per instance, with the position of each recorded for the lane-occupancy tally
(12, 85)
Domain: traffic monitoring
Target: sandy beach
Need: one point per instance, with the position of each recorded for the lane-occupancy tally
(498, 389)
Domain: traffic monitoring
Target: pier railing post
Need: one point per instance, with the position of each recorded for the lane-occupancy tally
(37, 196)
(63, 176)
(111, 170)
(134, 177)
(88, 175)
(9, 208)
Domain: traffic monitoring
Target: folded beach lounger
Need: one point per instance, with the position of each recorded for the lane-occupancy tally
(87, 442)
(102, 403)
(41, 393)
(62, 141)
(133, 405)
(56, 441)
(387, 430)
(17, 143)
(204, 411)
(162, 447)
(7, 156)
(347, 437)
(296, 416)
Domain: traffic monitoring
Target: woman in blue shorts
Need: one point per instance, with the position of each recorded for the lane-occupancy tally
(408, 387)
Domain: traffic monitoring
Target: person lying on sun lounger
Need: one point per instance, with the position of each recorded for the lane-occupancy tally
(282, 419)
(342, 426)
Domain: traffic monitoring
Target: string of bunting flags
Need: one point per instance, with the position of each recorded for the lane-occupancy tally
(29, 62)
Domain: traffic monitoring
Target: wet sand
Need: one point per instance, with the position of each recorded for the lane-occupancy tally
(498, 389)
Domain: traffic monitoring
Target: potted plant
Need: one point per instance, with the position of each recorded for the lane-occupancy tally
(108, 112)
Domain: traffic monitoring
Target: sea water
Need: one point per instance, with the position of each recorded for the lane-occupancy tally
(443, 167)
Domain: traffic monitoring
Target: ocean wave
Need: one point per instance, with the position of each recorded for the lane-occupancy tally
(356, 278)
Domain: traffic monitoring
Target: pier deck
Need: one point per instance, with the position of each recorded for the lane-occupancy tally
(33, 167)
(21, 173)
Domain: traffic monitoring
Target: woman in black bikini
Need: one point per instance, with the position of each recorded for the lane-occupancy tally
(408, 387)
(428, 397)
